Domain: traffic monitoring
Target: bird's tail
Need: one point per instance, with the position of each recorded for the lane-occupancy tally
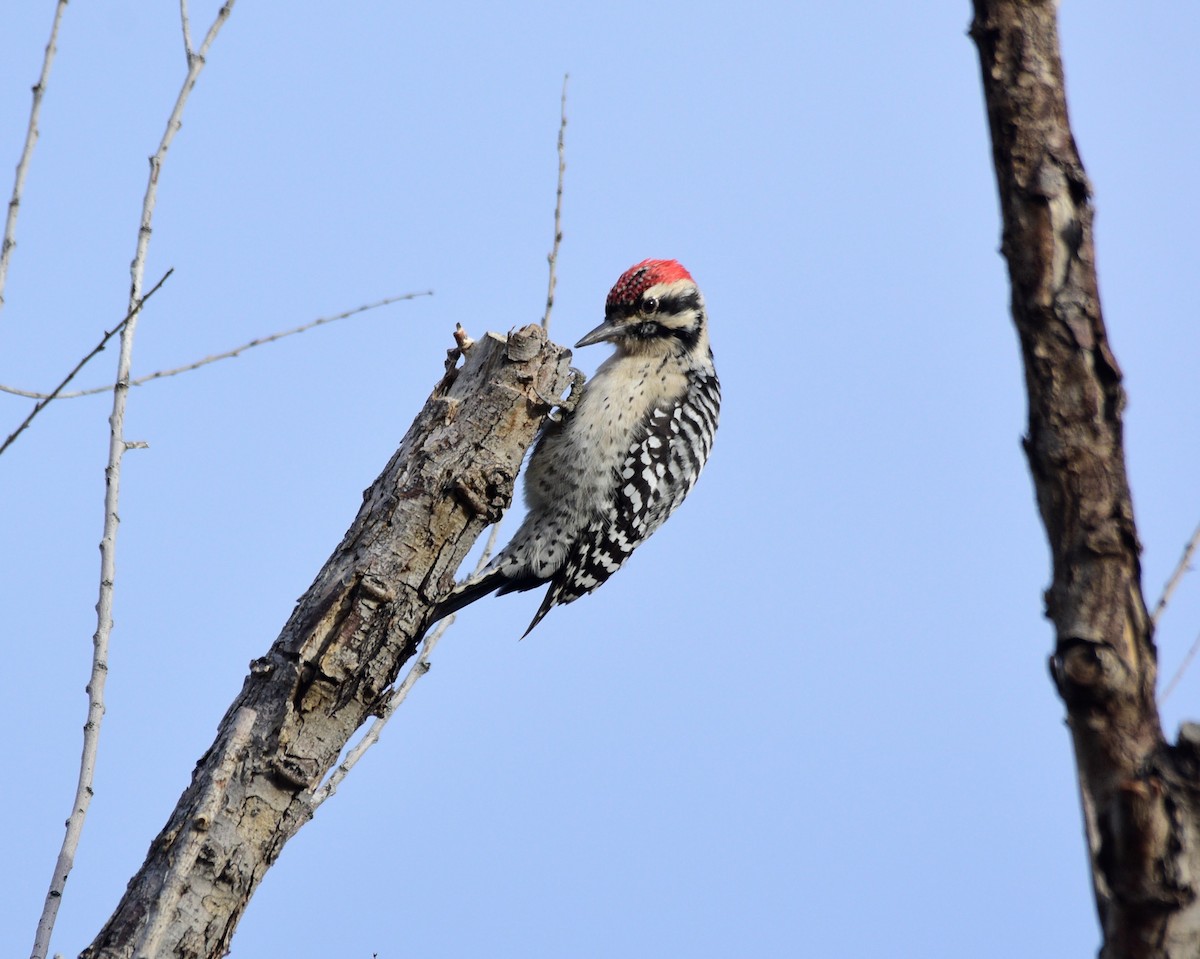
(469, 590)
(548, 602)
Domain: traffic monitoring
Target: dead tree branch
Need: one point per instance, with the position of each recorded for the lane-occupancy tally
(1138, 794)
(334, 663)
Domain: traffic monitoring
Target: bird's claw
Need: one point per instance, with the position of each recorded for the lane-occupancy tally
(567, 403)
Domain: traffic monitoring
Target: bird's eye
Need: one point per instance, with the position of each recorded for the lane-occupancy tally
(650, 304)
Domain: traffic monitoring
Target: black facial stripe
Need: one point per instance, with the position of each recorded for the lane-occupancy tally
(678, 303)
(688, 337)
(651, 330)
(672, 304)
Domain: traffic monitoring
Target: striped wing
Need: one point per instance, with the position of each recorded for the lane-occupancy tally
(660, 469)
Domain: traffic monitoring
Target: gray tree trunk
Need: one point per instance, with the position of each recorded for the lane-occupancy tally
(1139, 794)
(343, 646)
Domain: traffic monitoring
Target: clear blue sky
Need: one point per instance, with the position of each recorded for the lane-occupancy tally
(812, 716)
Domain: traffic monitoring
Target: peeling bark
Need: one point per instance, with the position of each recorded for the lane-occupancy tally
(1139, 795)
(344, 645)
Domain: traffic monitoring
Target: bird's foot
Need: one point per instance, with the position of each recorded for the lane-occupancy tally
(565, 405)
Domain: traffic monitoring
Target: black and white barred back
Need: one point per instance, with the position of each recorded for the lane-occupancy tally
(602, 480)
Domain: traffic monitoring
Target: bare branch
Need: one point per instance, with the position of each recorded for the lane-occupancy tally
(262, 341)
(186, 24)
(57, 392)
(1181, 568)
(174, 121)
(558, 196)
(1183, 668)
(371, 736)
(116, 450)
(228, 354)
(31, 135)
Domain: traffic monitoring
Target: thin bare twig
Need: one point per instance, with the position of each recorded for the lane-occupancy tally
(418, 669)
(116, 451)
(228, 354)
(1183, 668)
(558, 196)
(57, 393)
(273, 337)
(1180, 568)
(186, 24)
(31, 135)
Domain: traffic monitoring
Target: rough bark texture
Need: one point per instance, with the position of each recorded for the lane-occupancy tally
(1139, 794)
(344, 645)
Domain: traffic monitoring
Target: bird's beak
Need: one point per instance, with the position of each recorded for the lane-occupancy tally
(608, 330)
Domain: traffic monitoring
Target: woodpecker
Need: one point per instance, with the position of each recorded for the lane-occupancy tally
(610, 471)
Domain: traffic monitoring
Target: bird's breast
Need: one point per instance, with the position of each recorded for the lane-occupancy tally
(574, 463)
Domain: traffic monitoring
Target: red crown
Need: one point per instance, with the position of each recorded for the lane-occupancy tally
(640, 277)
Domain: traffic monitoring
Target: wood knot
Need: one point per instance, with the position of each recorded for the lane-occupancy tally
(295, 771)
(524, 344)
(487, 494)
(1088, 672)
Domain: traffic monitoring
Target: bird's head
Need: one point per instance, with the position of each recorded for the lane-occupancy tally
(654, 307)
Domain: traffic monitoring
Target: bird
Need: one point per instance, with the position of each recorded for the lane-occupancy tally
(609, 471)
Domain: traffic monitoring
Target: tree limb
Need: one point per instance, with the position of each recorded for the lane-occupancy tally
(333, 664)
(1138, 794)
